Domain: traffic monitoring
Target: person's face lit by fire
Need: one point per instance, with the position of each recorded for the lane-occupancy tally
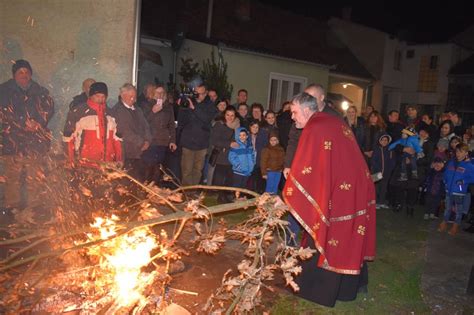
(213, 95)
(160, 94)
(242, 97)
(257, 113)
(22, 77)
(129, 97)
(98, 98)
(300, 115)
(254, 129)
(243, 136)
(445, 130)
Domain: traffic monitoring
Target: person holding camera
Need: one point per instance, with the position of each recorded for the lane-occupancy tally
(194, 128)
(160, 117)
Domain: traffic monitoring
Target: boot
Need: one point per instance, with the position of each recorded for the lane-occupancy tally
(454, 229)
(443, 226)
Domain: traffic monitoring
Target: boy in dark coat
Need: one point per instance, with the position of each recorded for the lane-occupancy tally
(382, 162)
(434, 188)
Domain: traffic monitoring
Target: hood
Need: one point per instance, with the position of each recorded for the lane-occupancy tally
(386, 135)
(237, 133)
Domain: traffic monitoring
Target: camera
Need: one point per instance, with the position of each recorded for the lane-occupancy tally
(189, 91)
(184, 95)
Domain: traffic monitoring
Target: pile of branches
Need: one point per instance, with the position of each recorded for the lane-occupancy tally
(63, 275)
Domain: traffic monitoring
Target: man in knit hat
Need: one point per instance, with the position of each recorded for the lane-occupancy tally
(26, 108)
(90, 132)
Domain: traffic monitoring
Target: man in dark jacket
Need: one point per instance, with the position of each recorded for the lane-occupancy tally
(26, 108)
(133, 128)
(194, 128)
(394, 125)
(82, 98)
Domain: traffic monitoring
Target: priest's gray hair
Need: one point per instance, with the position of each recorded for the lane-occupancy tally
(305, 100)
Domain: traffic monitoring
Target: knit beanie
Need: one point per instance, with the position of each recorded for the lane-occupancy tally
(21, 63)
(98, 87)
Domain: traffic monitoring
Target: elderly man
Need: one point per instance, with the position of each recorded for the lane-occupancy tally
(82, 98)
(133, 128)
(194, 127)
(330, 192)
(90, 131)
(26, 108)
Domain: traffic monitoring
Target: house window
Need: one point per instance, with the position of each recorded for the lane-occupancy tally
(427, 77)
(434, 62)
(410, 53)
(282, 88)
(397, 60)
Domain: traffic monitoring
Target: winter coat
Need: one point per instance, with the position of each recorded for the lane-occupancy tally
(358, 130)
(284, 123)
(84, 135)
(162, 125)
(16, 106)
(434, 184)
(221, 138)
(372, 135)
(458, 176)
(412, 142)
(394, 129)
(78, 99)
(383, 160)
(133, 129)
(194, 125)
(273, 159)
(242, 158)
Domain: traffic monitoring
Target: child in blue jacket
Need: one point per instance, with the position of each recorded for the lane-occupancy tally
(242, 158)
(409, 139)
(458, 175)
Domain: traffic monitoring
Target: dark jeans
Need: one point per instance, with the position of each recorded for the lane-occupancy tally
(432, 203)
(412, 163)
(239, 181)
(454, 203)
(223, 177)
(135, 168)
(381, 190)
(256, 181)
(152, 158)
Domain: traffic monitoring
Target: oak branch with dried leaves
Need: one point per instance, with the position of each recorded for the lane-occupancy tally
(87, 265)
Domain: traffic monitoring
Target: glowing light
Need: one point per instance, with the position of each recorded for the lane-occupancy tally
(121, 260)
(345, 105)
(344, 86)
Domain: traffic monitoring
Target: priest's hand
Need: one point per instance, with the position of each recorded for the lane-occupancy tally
(286, 172)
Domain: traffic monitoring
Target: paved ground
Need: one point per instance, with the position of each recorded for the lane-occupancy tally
(448, 264)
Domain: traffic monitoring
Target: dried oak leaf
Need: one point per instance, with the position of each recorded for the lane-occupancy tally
(211, 246)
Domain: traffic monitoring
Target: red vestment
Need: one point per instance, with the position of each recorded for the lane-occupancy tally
(331, 194)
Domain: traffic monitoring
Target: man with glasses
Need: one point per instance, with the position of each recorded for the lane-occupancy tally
(194, 128)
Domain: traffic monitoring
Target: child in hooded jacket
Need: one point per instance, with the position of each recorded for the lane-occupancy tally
(242, 158)
(434, 188)
(458, 175)
(383, 161)
(272, 163)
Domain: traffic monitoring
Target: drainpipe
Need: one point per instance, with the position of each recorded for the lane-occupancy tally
(209, 18)
(136, 42)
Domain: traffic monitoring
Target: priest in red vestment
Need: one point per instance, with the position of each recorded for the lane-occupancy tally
(330, 192)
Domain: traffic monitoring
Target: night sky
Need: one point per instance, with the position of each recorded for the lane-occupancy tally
(418, 21)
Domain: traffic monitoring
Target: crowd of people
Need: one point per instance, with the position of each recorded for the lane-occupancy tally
(296, 152)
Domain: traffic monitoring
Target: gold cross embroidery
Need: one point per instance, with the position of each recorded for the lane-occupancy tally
(289, 191)
(315, 227)
(327, 145)
(333, 242)
(307, 170)
(361, 230)
(345, 186)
